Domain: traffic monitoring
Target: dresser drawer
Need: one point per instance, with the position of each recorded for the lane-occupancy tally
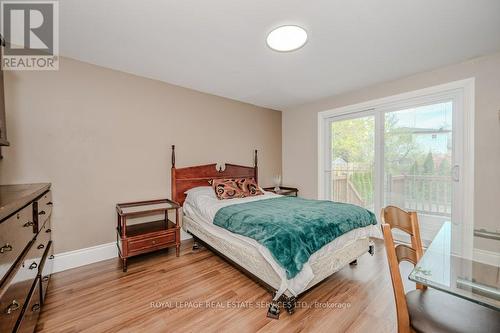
(43, 238)
(15, 234)
(32, 260)
(43, 209)
(31, 312)
(17, 289)
(150, 242)
(47, 267)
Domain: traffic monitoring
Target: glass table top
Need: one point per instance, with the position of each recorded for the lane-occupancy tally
(145, 207)
(141, 208)
(439, 268)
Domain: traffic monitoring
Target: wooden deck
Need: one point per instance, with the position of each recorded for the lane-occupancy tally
(201, 292)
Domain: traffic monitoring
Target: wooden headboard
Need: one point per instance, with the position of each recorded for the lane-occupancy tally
(186, 178)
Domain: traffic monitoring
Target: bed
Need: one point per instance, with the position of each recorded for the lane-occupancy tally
(189, 189)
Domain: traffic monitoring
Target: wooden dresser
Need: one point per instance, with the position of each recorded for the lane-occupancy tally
(25, 254)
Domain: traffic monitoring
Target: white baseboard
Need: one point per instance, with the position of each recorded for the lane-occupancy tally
(81, 257)
(487, 257)
(90, 255)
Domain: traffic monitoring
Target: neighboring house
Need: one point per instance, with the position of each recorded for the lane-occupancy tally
(439, 140)
(339, 163)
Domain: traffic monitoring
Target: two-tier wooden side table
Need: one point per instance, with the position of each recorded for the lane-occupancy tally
(142, 237)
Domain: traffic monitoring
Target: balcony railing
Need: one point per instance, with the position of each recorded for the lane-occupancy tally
(427, 194)
(422, 193)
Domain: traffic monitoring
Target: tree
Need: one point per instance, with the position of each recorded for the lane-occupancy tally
(444, 168)
(398, 142)
(357, 148)
(429, 164)
(414, 169)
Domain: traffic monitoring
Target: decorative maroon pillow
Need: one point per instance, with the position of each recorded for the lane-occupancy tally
(251, 187)
(235, 188)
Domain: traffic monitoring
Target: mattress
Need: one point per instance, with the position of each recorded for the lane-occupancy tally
(258, 260)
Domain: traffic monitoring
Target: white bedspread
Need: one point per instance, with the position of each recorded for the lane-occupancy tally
(202, 205)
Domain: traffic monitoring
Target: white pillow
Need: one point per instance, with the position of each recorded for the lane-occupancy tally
(198, 195)
(200, 190)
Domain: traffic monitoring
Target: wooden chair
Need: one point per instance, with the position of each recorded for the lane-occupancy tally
(427, 310)
(407, 222)
(396, 254)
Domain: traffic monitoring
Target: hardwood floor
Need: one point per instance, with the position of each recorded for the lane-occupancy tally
(100, 298)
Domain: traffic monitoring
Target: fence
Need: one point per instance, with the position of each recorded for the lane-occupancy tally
(426, 194)
(353, 185)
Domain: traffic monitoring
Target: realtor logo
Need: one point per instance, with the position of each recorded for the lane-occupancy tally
(30, 30)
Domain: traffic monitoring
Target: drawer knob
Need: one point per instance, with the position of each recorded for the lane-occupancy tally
(48, 230)
(29, 224)
(49, 203)
(12, 307)
(51, 256)
(33, 265)
(7, 247)
(45, 279)
(42, 212)
(35, 307)
(41, 246)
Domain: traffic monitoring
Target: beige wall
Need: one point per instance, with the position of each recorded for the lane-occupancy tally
(102, 137)
(300, 132)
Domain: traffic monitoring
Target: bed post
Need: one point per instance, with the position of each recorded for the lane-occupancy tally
(172, 175)
(173, 156)
(255, 161)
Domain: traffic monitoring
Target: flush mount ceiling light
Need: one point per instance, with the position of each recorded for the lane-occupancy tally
(287, 38)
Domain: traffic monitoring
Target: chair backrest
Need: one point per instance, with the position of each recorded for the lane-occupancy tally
(396, 254)
(394, 217)
(406, 222)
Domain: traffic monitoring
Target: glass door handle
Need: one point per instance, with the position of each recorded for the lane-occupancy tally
(455, 173)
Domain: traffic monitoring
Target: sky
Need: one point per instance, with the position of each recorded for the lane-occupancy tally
(433, 116)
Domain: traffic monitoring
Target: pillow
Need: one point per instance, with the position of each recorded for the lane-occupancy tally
(200, 190)
(235, 188)
(251, 187)
(199, 195)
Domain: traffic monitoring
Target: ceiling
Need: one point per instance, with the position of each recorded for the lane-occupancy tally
(218, 46)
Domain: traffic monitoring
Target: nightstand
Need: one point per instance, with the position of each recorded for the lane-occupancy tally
(143, 237)
(286, 191)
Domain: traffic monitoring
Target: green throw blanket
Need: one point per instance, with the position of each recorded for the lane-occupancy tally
(293, 228)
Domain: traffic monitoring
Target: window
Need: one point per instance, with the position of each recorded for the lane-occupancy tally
(413, 151)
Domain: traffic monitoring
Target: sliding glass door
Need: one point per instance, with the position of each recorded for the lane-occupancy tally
(353, 161)
(417, 164)
(400, 155)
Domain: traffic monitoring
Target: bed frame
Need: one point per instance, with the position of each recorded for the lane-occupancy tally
(186, 178)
